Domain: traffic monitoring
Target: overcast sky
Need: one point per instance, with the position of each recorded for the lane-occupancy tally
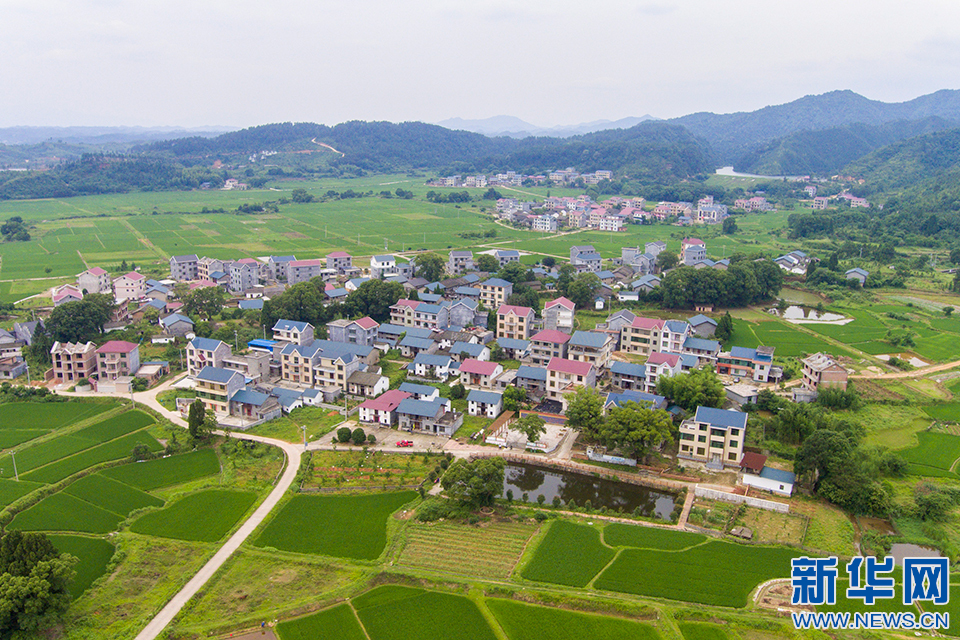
(242, 63)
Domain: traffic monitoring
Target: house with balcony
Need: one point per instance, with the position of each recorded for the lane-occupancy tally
(628, 375)
(478, 373)
(183, 268)
(514, 321)
(206, 352)
(459, 262)
(488, 404)
(532, 379)
(661, 365)
(382, 409)
(432, 366)
(117, 358)
(341, 261)
(514, 349)
(714, 437)
(594, 347)
(821, 371)
(641, 336)
(244, 274)
(216, 386)
(565, 376)
(293, 331)
(548, 344)
(433, 417)
(742, 362)
(73, 361)
(130, 286)
(95, 280)
(367, 384)
(362, 331)
(558, 315)
(494, 292)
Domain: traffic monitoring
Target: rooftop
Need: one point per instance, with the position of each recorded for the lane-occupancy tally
(478, 367)
(484, 397)
(215, 374)
(721, 418)
(117, 346)
(552, 336)
(387, 401)
(574, 367)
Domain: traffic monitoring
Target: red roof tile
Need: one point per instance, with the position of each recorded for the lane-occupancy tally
(367, 322)
(569, 366)
(551, 335)
(563, 302)
(646, 323)
(479, 367)
(520, 311)
(387, 401)
(117, 346)
(670, 359)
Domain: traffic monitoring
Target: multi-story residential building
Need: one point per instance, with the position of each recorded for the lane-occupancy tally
(564, 376)
(303, 270)
(206, 267)
(117, 358)
(184, 268)
(206, 352)
(545, 223)
(484, 403)
(587, 256)
(387, 265)
(820, 203)
(661, 365)
(431, 316)
(66, 293)
(402, 314)
(339, 260)
(641, 336)
(459, 262)
(130, 286)
(319, 364)
(478, 373)
(672, 335)
(714, 436)
(494, 292)
(742, 362)
(277, 267)
(591, 346)
(428, 416)
(692, 251)
(533, 380)
(558, 315)
(506, 256)
(611, 223)
(427, 365)
(383, 408)
(655, 248)
(216, 386)
(547, 345)
(255, 366)
(300, 333)
(244, 274)
(628, 376)
(73, 361)
(822, 371)
(514, 321)
(95, 280)
(362, 331)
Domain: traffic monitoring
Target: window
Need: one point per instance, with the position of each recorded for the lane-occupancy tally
(701, 438)
(734, 443)
(701, 451)
(733, 456)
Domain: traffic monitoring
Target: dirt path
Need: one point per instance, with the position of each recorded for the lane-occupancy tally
(916, 373)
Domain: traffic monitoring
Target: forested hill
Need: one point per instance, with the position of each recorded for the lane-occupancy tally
(735, 134)
(827, 151)
(915, 161)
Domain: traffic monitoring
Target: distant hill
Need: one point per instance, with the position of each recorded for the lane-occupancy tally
(923, 160)
(101, 135)
(734, 135)
(825, 152)
(516, 128)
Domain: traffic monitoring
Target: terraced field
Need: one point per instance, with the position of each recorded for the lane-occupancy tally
(487, 551)
(552, 561)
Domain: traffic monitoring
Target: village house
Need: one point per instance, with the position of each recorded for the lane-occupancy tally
(820, 203)
(207, 266)
(565, 376)
(66, 293)
(628, 375)
(216, 386)
(478, 373)
(548, 344)
(183, 268)
(591, 346)
(420, 391)
(293, 331)
(558, 315)
(298, 271)
(176, 324)
(692, 251)
(73, 362)
(641, 336)
(494, 292)
(432, 366)
(858, 274)
(484, 403)
(742, 362)
(462, 350)
(702, 325)
(95, 280)
(459, 262)
(506, 256)
(130, 286)
(713, 436)
(362, 331)
(533, 380)
(244, 274)
(822, 371)
(277, 267)
(255, 406)
(367, 384)
(514, 321)
(434, 417)
(255, 366)
(383, 408)
(341, 261)
(411, 346)
(586, 257)
(672, 335)
(661, 365)
(203, 352)
(514, 349)
(117, 358)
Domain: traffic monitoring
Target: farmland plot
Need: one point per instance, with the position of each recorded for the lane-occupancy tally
(205, 516)
(570, 554)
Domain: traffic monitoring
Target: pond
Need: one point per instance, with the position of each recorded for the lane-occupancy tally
(805, 315)
(534, 481)
(902, 550)
(795, 296)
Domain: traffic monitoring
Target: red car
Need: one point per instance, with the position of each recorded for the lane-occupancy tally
(404, 443)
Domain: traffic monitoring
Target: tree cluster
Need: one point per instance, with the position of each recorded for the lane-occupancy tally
(631, 427)
(745, 282)
(15, 230)
(33, 582)
(697, 388)
(474, 483)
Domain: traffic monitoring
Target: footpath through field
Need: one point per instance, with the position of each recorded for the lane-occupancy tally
(156, 626)
(916, 373)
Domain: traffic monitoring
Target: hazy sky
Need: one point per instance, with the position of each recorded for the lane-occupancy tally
(241, 63)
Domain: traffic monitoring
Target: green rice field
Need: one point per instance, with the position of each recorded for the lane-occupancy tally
(343, 526)
(205, 516)
(23, 421)
(528, 622)
(111, 495)
(64, 512)
(935, 454)
(11, 490)
(106, 452)
(626, 535)
(336, 622)
(93, 553)
(702, 631)
(570, 554)
(166, 472)
(403, 613)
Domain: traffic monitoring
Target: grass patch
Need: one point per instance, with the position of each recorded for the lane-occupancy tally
(111, 495)
(205, 516)
(49, 415)
(490, 550)
(318, 421)
(94, 555)
(337, 622)
(11, 490)
(117, 426)
(403, 613)
(938, 451)
(829, 529)
(63, 512)
(702, 631)
(949, 412)
(570, 554)
(166, 472)
(346, 526)
(717, 573)
(891, 426)
(625, 535)
(106, 452)
(773, 526)
(529, 622)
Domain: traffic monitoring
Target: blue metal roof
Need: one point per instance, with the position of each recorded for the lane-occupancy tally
(260, 343)
(174, 318)
(421, 408)
(336, 293)
(676, 326)
(248, 396)
(290, 325)
(216, 374)
(721, 418)
(416, 343)
(514, 343)
(701, 319)
(428, 308)
(467, 291)
(532, 373)
(359, 281)
(471, 278)
(418, 332)
(701, 343)
(156, 304)
(384, 258)
(688, 360)
(391, 329)
(418, 389)
(431, 360)
(497, 282)
(468, 348)
(743, 352)
(588, 256)
(508, 253)
(484, 397)
(778, 475)
(432, 298)
(206, 344)
(590, 339)
(619, 399)
(629, 369)
(255, 304)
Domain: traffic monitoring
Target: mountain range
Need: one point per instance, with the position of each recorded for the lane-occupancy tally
(512, 127)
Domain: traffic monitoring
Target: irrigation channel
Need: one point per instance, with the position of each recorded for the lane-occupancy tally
(523, 478)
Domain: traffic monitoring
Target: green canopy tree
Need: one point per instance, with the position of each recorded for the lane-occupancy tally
(633, 428)
(373, 298)
(429, 266)
(698, 388)
(474, 484)
(204, 302)
(532, 426)
(80, 321)
(33, 582)
(585, 412)
(488, 263)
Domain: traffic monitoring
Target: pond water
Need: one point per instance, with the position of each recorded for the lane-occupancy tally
(795, 296)
(534, 481)
(805, 315)
(903, 550)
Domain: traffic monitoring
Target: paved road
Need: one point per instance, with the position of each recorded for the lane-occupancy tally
(292, 452)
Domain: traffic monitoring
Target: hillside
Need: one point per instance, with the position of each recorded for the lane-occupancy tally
(736, 134)
(825, 152)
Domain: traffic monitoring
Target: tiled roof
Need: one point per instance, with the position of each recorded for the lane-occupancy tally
(561, 301)
(484, 397)
(517, 310)
(669, 359)
(590, 339)
(479, 367)
(721, 418)
(551, 335)
(532, 373)
(216, 374)
(574, 367)
(290, 325)
(421, 408)
(646, 323)
(206, 344)
(387, 401)
(117, 346)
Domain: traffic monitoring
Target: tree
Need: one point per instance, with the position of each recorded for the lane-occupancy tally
(80, 321)
(429, 266)
(302, 303)
(667, 260)
(585, 411)
(698, 388)
(583, 290)
(513, 397)
(358, 436)
(513, 272)
(301, 196)
(15, 230)
(497, 354)
(634, 428)
(374, 298)
(729, 226)
(955, 255)
(948, 311)
(33, 582)
(474, 484)
(548, 262)
(724, 329)
(532, 426)
(204, 302)
(196, 417)
(344, 434)
(458, 391)
(488, 263)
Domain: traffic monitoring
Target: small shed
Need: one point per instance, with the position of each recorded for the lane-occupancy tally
(772, 480)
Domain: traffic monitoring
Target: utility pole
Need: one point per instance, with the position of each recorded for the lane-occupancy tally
(304, 429)
(14, 458)
(236, 346)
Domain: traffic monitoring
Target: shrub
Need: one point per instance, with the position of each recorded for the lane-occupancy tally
(372, 439)
(344, 434)
(359, 436)
(557, 502)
